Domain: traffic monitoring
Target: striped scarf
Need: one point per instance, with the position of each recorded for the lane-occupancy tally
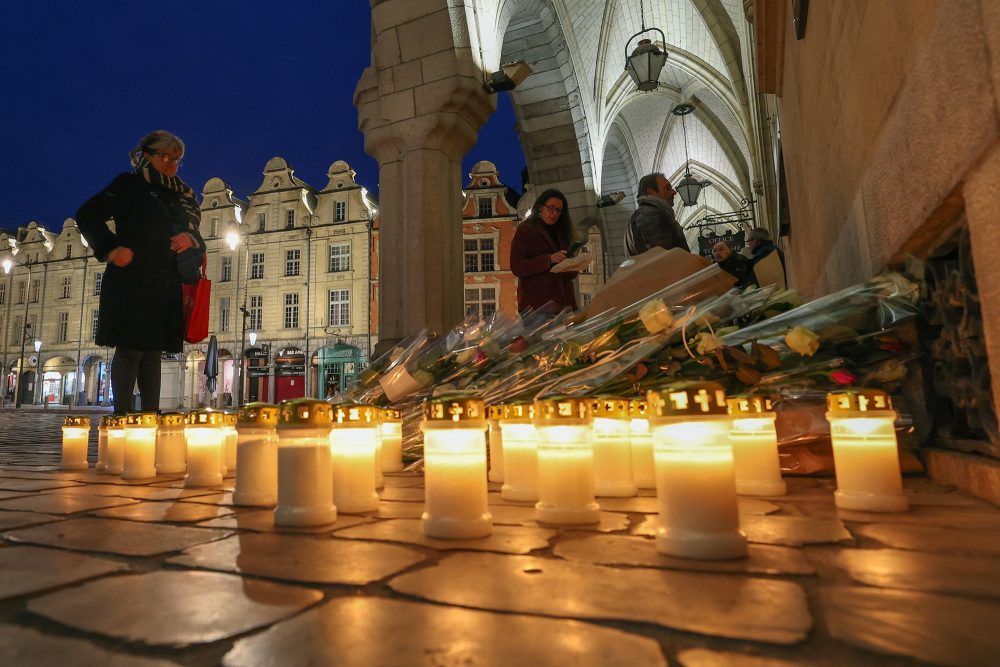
(142, 166)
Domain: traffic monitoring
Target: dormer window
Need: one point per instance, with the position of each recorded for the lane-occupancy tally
(485, 208)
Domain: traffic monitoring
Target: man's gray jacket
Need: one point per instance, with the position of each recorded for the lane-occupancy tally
(653, 224)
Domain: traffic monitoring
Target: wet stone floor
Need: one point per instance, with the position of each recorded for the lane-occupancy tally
(95, 571)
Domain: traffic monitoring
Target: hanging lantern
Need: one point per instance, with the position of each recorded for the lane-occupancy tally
(455, 468)
(205, 439)
(140, 445)
(520, 457)
(641, 444)
(695, 487)
(755, 446)
(391, 433)
(646, 60)
(865, 451)
(565, 462)
(353, 442)
(75, 433)
(171, 446)
(305, 475)
(494, 456)
(688, 187)
(256, 455)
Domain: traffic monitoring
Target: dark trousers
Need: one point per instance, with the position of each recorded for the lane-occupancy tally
(129, 367)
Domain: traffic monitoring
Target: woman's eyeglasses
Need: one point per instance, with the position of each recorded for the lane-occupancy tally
(553, 209)
(167, 158)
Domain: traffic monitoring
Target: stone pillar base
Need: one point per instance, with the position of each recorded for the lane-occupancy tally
(975, 474)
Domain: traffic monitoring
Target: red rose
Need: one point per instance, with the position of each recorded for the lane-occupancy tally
(843, 376)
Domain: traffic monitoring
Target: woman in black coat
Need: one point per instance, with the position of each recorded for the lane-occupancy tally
(541, 242)
(155, 217)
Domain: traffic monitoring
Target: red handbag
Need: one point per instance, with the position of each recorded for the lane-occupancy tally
(196, 307)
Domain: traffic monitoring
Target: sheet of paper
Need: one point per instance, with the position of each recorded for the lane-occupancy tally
(577, 263)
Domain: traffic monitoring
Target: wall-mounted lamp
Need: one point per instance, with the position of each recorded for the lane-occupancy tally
(688, 187)
(509, 77)
(610, 199)
(647, 59)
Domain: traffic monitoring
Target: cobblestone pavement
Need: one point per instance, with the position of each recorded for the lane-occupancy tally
(94, 570)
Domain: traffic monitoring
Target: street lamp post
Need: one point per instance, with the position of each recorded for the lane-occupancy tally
(233, 238)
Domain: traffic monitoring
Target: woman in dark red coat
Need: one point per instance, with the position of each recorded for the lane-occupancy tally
(541, 242)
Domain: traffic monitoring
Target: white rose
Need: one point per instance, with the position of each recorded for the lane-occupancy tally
(656, 316)
(706, 342)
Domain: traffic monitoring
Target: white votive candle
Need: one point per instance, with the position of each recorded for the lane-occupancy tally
(755, 446)
(204, 436)
(116, 445)
(695, 486)
(140, 445)
(75, 433)
(257, 455)
(229, 443)
(171, 444)
(565, 462)
(354, 441)
(391, 433)
(865, 451)
(305, 476)
(641, 442)
(612, 453)
(102, 444)
(455, 494)
(520, 453)
(494, 440)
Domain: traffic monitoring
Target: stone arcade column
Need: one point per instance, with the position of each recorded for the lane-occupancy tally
(420, 107)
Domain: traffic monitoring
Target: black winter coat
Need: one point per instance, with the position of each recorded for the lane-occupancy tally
(141, 304)
(653, 224)
(529, 261)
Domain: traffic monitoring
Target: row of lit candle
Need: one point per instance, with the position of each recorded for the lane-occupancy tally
(700, 448)
(309, 458)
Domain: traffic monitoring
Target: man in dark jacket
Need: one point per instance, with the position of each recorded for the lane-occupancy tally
(732, 262)
(653, 222)
(767, 262)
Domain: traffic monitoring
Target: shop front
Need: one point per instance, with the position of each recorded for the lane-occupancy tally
(289, 374)
(58, 380)
(336, 367)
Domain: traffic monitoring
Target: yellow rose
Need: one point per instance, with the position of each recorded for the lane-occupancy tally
(803, 341)
(656, 316)
(706, 342)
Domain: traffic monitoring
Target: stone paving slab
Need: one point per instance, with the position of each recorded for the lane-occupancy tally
(31, 569)
(171, 512)
(262, 520)
(932, 538)
(934, 573)
(216, 498)
(93, 477)
(10, 519)
(174, 608)
(12, 484)
(126, 538)
(794, 531)
(15, 494)
(703, 657)
(971, 517)
(641, 551)
(410, 494)
(936, 628)
(375, 631)
(713, 604)
(24, 646)
(64, 502)
(504, 539)
(141, 492)
(525, 516)
(301, 559)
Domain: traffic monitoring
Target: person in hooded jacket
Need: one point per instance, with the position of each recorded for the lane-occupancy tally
(154, 217)
(541, 242)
